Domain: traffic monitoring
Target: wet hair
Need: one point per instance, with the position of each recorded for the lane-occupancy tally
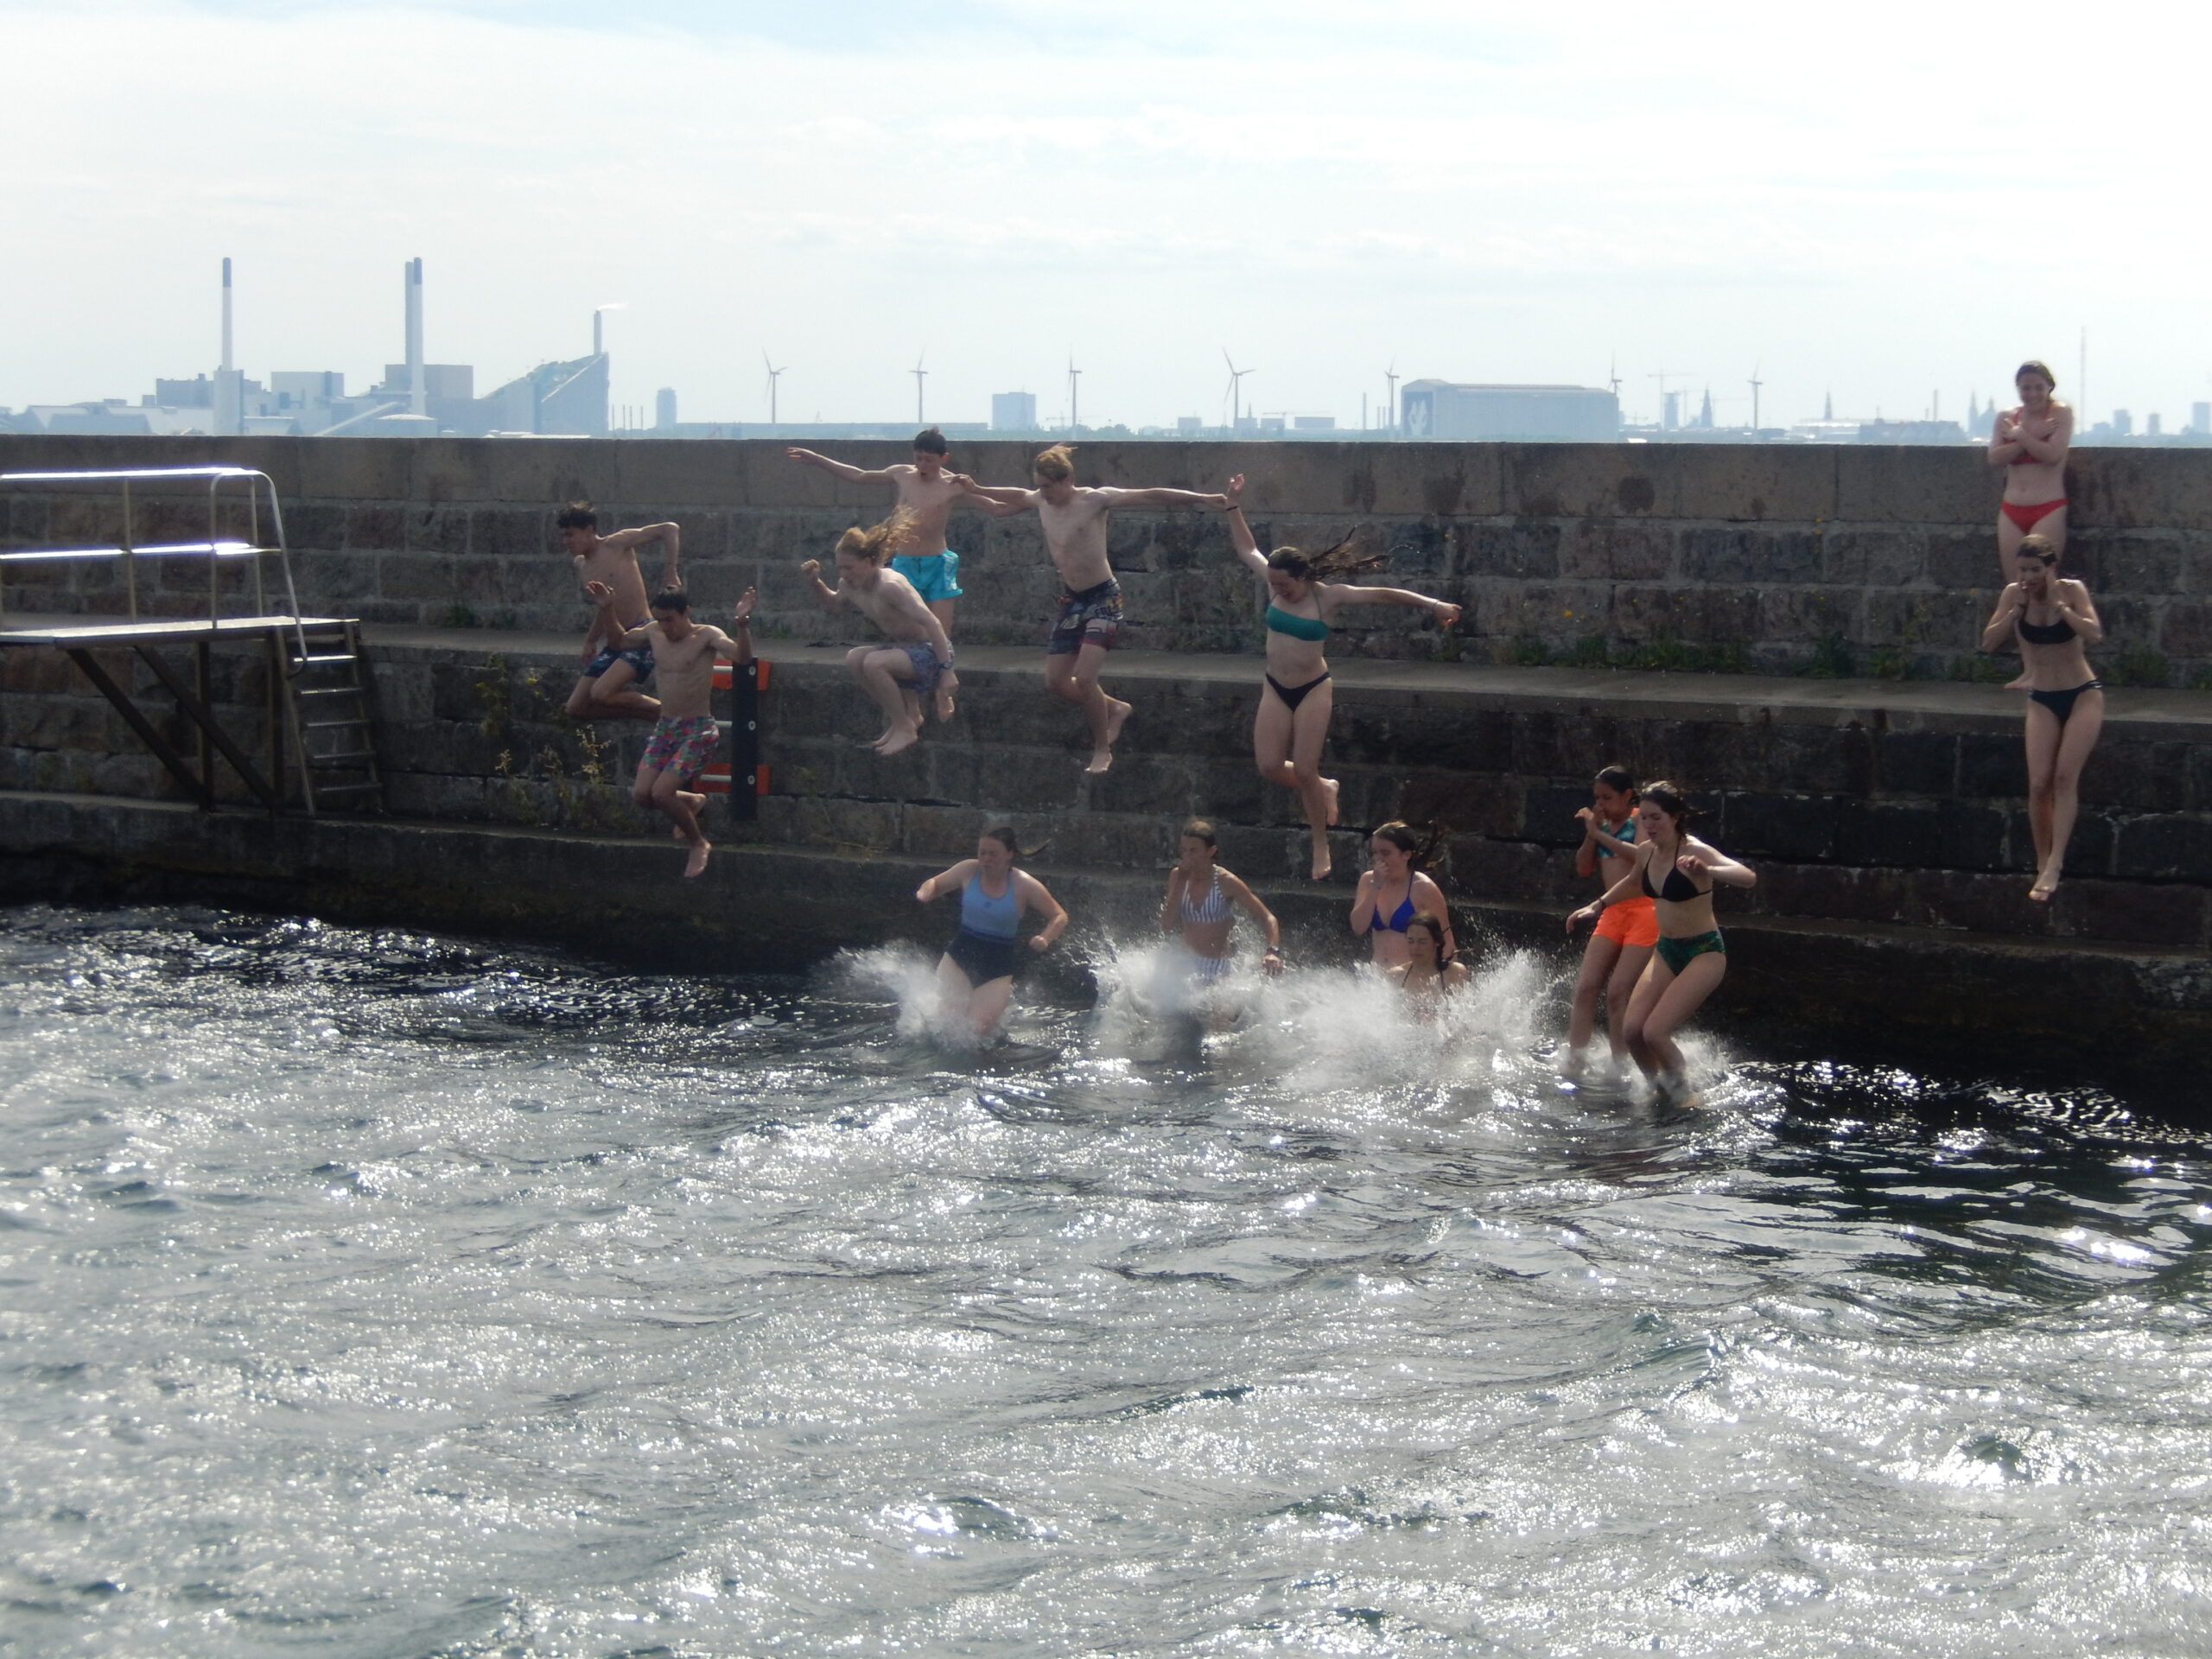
(1401, 836)
(878, 542)
(577, 515)
(1619, 779)
(2039, 547)
(1198, 829)
(1670, 799)
(931, 442)
(1056, 463)
(672, 599)
(1437, 931)
(1003, 834)
(1341, 560)
(2035, 365)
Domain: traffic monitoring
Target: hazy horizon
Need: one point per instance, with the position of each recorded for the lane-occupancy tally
(1900, 204)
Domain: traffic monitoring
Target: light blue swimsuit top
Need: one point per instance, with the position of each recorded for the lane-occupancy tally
(988, 918)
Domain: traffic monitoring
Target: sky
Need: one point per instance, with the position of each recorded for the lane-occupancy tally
(1889, 205)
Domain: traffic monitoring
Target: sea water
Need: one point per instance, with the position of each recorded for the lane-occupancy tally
(365, 1292)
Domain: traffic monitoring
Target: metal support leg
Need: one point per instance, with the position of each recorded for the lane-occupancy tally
(200, 677)
(179, 767)
(201, 716)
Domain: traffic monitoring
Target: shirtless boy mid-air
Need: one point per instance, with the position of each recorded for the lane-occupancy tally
(926, 491)
(1075, 520)
(607, 689)
(918, 660)
(684, 738)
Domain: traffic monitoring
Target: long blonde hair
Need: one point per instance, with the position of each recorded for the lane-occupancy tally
(879, 542)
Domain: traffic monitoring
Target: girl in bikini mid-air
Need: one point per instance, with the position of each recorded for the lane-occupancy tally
(2066, 700)
(1295, 702)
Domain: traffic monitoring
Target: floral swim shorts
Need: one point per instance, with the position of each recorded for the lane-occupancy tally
(683, 746)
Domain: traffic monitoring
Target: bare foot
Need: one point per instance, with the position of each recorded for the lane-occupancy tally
(1330, 784)
(1117, 715)
(2046, 884)
(944, 703)
(906, 738)
(1321, 861)
(696, 864)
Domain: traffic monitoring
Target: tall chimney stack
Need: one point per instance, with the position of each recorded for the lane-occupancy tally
(229, 400)
(417, 394)
(598, 347)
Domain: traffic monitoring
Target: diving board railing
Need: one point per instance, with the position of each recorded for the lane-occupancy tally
(260, 497)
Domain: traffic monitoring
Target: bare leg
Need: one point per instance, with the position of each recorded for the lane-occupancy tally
(881, 671)
(1620, 989)
(2076, 739)
(1286, 746)
(612, 696)
(1659, 1009)
(988, 1006)
(1600, 958)
(682, 806)
(2042, 740)
(942, 609)
(1075, 679)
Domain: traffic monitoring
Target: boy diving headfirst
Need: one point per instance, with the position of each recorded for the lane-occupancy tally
(684, 738)
(918, 660)
(926, 491)
(607, 689)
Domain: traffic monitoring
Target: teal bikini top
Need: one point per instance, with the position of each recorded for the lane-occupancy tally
(1298, 628)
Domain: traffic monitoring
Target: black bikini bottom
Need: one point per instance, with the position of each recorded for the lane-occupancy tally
(1292, 695)
(2061, 703)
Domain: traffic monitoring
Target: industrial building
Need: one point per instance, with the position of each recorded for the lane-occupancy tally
(1438, 408)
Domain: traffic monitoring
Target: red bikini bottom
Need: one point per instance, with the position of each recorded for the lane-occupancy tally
(2028, 514)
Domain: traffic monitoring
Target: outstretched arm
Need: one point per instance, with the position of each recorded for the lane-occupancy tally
(1242, 542)
(1342, 592)
(1167, 498)
(837, 468)
(1005, 496)
(832, 598)
(950, 880)
(669, 536)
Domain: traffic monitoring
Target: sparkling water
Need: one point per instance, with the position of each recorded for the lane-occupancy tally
(368, 1294)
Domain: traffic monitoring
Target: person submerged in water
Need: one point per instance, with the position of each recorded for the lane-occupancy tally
(1391, 894)
(1429, 973)
(1201, 905)
(1691, 956)
(1304, 602)
(975, 975)
(1626, 932)
(2066, 700)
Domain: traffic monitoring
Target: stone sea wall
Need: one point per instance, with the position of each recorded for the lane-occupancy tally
(1832, 560)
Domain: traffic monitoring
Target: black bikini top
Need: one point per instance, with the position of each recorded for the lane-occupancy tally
(1676, 889)
(2044, 633)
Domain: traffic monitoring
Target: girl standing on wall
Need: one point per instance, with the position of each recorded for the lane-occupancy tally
(976, 974)
(2066, 700)
(1691, 956)
(1622, 942)
(1295, 700)
(2031, 444)
(1395, 892)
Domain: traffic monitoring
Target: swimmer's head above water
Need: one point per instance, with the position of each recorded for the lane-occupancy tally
(1198, 844)
(1425, 939)
(1396, 849)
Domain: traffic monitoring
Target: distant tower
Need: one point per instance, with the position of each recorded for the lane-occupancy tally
(229, 396)
(417, 392)
(1828, 407)
(1704, 412)
(665, 408)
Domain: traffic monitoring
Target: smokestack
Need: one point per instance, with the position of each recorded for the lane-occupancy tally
(228, 411)
(597, 346)
(227, 364)
(417, 397)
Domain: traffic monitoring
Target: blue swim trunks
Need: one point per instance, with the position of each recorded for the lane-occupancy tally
(935, 575)
(638, 656)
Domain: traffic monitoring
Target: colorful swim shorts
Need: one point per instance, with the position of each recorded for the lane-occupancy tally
(1633, 921)
(1092, 617)
(683, 746)
(935, 575)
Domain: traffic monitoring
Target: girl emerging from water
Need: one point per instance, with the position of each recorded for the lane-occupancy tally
(1691, 956)
(1391, 894)
(2066, 700)
(1197, 905)
(1430, 973)
(1622, 942)
(975, 975)
(1295, 699)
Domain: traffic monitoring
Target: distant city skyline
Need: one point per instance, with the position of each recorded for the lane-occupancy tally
(1466, 192)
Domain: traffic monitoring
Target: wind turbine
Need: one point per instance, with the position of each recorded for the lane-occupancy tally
(773, 372)
(1613, 375)
(1235, 388)
(1756, 383)
(1075, 422)
(920, 374)
(1391, 375)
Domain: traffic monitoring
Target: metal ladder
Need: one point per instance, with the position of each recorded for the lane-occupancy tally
(333, 734)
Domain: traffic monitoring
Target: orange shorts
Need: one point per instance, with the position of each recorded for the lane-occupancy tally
(1632, 921)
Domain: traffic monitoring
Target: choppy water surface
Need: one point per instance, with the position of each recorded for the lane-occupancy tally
(367, 1294)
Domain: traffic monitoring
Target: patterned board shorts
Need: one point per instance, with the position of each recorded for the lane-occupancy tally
(638, 656)
(683, 746)
(927, 670)
(935, 575)
(1092, 617)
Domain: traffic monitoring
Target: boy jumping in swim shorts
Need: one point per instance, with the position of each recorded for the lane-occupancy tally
(607, 689)
(685, 737)
(917, 662)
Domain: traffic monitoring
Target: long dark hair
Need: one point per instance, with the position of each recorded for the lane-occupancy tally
(1401, 836)
(1670, 798)
(1342, 560)
(1438, 929)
